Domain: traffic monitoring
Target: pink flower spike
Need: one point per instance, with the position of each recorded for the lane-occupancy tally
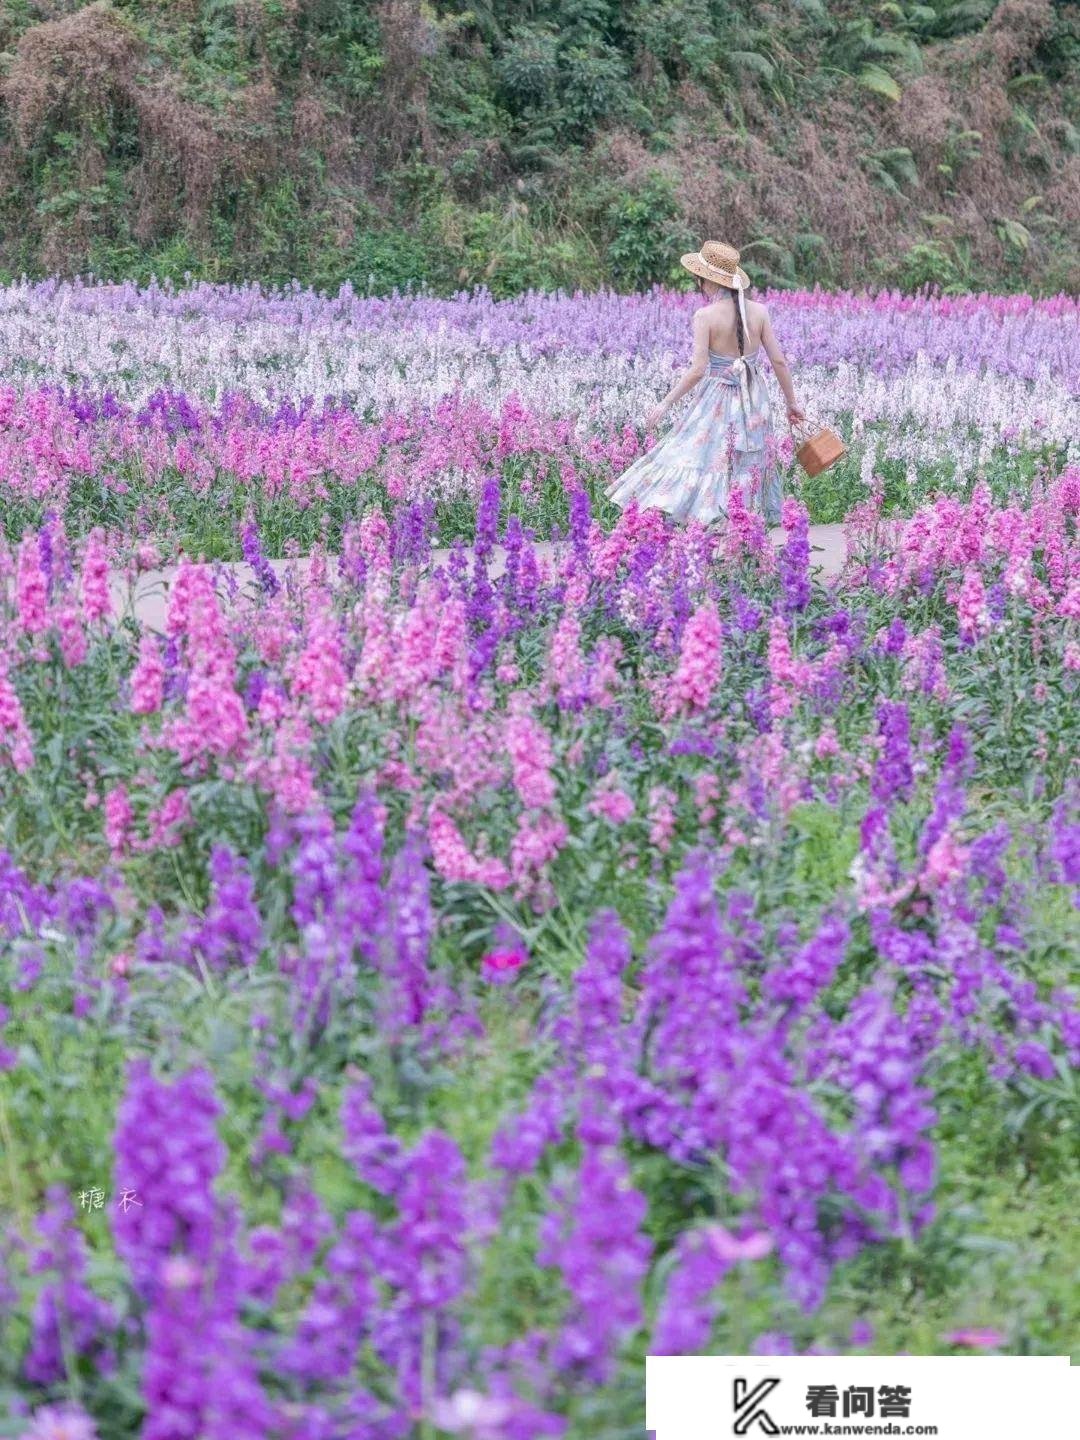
(700, 664)
(31, 592)
(118, 819)
(148, 677)
(15, 740)
(733, 1248)
(97, 603)
(120, 964)
(976, 1339)
(945, 861)
(61, 1422)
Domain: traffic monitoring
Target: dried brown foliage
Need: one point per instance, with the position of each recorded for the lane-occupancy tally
(809, 175)
(745, 188)
(70, 71)
(73, 74)
(182, 156)
(743, 163)
(965, 90)
(82, 73)
(1016, 28)
(399, 120)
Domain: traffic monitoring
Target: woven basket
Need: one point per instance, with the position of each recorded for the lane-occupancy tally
(816, 446)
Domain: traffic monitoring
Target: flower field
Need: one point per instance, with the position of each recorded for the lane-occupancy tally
(168, 419)
(426, 991)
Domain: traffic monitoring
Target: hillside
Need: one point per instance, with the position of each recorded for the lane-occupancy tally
(554, 143)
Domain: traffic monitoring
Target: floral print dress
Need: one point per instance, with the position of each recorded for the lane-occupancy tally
(723, 440)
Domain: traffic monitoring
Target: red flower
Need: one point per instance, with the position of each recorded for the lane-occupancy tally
(500, 965)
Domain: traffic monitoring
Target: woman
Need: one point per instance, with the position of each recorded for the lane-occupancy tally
(725, 438)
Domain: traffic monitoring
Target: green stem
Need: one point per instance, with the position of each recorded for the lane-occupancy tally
(429, 1345)
(19, 1201)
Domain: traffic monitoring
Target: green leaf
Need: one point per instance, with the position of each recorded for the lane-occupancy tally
(1013, 234)
(752, 61)
(900, 47)
(1030, 81)
(1024, 120)
(878, 81)
(771, 248)
(898, 163)
(987, 1244)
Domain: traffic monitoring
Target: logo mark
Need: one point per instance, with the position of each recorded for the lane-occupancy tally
(749, 1410)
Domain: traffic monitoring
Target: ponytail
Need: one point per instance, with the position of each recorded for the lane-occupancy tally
(736, 297)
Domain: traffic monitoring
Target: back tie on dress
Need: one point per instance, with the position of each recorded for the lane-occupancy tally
(741, 370)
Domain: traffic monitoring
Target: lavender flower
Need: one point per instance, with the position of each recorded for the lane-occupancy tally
(594, 1239)
(67, 1313)
(168, 1155)
(795, 558)
(231, 932)
(377, 1155)
(251, 549)
(802, 978)
(893, 776)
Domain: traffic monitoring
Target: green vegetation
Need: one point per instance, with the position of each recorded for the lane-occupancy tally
(541, 142)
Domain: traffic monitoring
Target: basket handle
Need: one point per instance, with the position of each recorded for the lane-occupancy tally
(804, 430)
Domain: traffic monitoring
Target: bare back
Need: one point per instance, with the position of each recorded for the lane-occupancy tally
(723, 336)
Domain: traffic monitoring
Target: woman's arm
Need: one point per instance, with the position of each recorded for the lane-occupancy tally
(698, 365)
(781, 370)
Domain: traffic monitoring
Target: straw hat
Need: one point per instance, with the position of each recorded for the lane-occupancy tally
(718, 262)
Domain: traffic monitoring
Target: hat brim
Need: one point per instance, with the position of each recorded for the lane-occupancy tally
(704, 271)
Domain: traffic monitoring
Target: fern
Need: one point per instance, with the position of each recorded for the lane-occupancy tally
(961, 17)
(751, 61)
(921, 18)
(894, 168)
(1024, 120)
(1014, 235)
(878, 80)
(897, 47)
(814, 9)
(1032, 80)
(861, 49)
(778, 253)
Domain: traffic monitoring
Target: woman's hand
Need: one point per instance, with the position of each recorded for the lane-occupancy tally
(654, 417)
(794, 414)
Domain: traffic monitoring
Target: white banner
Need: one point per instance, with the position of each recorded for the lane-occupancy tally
(952, 1397)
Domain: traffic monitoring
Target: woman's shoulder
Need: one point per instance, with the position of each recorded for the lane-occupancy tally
(710, 313)
(756, 309)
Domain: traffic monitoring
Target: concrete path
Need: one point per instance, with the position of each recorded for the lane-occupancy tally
(147, 599)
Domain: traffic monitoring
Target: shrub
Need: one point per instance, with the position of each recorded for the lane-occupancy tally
(644, 234)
